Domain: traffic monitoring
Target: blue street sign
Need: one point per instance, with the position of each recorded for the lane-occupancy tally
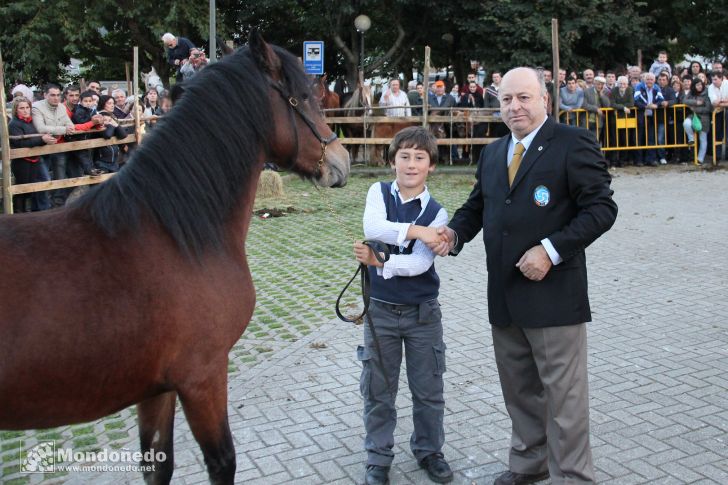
(313, 57)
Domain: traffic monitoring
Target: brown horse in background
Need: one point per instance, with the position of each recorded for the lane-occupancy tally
(136, 292)
(327, 99)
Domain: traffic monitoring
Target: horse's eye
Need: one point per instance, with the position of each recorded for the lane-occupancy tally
(305, 97)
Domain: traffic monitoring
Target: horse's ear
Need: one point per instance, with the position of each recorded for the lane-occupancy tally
(176, 92)
(263, 53)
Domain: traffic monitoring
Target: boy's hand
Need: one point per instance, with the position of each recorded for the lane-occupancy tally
(446, 242)
(428, 235)
(364, 255)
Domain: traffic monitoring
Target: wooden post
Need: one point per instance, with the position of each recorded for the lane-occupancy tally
(213, 34)
(128, 80)
(555, 75)
(426, 83)
(639, 58)
(7, 174)
(137, 125)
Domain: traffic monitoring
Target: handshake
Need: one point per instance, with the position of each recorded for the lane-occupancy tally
(440, 240)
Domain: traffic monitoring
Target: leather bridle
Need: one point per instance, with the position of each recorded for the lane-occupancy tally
(294, 103)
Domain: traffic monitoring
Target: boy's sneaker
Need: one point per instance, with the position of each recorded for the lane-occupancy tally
(437, 468)
(376, 475)
(663, 161)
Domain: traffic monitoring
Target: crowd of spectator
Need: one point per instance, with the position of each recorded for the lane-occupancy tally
(81, 112)
(650, 108)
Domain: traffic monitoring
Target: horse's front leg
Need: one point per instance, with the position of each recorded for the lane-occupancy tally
(205, 405)
(156, 422)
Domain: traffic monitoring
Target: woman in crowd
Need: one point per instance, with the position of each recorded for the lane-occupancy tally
(695, 68)
(699, 103)
(152, 106)
(29, 169)
(106, 103)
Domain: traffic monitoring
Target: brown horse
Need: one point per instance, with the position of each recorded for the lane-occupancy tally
(137, 291)
(327, 99)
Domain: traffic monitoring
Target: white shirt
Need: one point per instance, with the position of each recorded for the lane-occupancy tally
(400, 99)
(376, 226)
(718, 94)
(526, 142)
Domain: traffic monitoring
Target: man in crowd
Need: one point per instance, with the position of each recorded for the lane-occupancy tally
(562, 78)
(415, 95)
(611, 78)
(94, 86)
(395, 100)
(571, 97)
(534, 242)
(50, 117)
(718, 94)
(717, 66)
(196, 62)
(665, 115)
(78, 162)
(121, 109)
(472, 78)
(594, 100)
(178, 51)
(439, 100)
(647, 98)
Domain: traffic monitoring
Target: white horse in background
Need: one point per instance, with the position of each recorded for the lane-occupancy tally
(152, 80)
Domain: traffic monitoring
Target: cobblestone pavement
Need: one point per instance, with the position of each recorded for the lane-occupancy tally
(658, 360)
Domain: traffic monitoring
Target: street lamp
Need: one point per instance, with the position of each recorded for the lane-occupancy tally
(362, 23)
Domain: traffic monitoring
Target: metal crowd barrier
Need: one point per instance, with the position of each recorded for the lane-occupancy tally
(619, 131)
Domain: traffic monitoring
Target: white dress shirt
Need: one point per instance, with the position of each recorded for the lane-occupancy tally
(376, 226)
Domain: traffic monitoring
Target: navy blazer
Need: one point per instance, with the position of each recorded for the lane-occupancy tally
(561, 192)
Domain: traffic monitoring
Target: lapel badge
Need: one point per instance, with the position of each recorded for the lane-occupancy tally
(540, 148)
(541, 195)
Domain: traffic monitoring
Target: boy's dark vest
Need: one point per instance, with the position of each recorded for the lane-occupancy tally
(406, 290)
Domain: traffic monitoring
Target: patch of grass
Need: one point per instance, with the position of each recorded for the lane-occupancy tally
(85, 441)
(82, 430)
(10, 435)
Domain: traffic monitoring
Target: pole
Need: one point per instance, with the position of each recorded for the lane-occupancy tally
(213, 33)
(361, 58)
(426, 83)
(137, 124)
(7, 195)
(129, 87)
(557, 67)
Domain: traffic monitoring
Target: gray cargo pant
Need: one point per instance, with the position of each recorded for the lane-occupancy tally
(419, 327)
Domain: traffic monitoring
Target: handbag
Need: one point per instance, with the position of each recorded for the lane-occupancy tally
(697, 124)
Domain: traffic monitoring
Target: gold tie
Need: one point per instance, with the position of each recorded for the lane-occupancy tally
(515, 162)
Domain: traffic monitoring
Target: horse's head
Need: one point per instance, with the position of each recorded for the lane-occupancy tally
(302, 140)
(152, 80)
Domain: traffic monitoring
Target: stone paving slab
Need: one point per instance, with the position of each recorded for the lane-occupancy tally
(658, 357)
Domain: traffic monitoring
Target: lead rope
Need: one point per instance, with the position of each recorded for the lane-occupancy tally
(376, 247)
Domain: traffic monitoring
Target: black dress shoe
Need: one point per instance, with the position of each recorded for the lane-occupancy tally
(376, 475)
(512, 478)
(437, 468)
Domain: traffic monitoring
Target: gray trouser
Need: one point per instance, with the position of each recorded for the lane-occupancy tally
(543, 375)
(419, 327)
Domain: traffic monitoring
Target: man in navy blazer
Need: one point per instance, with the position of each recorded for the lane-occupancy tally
(536, 228)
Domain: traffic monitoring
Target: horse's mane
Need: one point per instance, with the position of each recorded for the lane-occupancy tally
(189, 172)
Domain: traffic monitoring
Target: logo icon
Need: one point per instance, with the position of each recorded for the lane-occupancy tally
(541, 195)
(40, 458)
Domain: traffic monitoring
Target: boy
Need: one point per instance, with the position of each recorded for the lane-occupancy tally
(84, 114)
(404, 309)
(661, 64)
